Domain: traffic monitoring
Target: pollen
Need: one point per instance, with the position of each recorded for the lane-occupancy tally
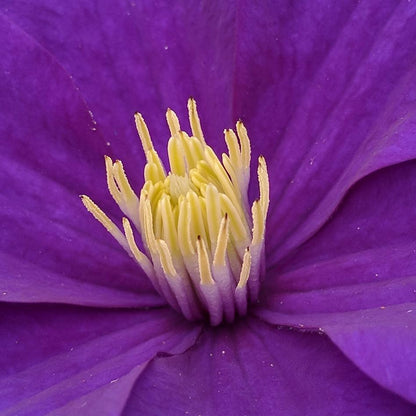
(203, 244)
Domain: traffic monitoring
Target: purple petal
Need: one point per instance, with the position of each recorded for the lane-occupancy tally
(379, 341)
(22, 281)
(342, 298)
(255, 369)
(46, 127)
(282, 76)
(355, 280)
(369, 241)
(48, 258)
(377, 337)
(299, 100)
(109, 400)
(339, 126)
(357, 116)
(78, 355)
(140, 56)
(52, 155)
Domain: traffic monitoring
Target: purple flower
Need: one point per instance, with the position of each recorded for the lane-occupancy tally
(327, 91)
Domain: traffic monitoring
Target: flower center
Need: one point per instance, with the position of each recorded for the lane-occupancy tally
(204, 249)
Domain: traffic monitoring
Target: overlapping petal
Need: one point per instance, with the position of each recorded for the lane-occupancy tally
(356, 281)
(256, 369)
(139, 56)
(327, 91)
(367, 106)
(51, 152)
(26, 282)
(357, 116)
(379, 340)
(79, 354)
(47, 129)
(46, 260)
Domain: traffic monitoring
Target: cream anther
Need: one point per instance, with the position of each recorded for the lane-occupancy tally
(203, 248)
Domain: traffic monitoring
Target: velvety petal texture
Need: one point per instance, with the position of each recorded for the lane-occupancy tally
(79, 355)
(140, 56)
(26, 282)
(51, 152)
(379, 341)
(328, 93)
(356, 117)
(255, 369)
(355, 280)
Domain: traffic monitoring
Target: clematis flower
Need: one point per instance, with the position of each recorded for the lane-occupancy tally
(327, 93)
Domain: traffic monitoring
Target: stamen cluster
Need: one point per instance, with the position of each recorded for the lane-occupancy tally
(203, 248)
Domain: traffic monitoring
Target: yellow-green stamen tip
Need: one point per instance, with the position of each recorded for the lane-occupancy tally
(203, 247)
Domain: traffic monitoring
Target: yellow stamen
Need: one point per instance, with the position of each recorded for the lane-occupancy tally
(245, 269)
(105, 221)
(264, 185)
(194, 120)
(173, 122)
(203, 262)
(140, 257)
(166, 259)
(143, 133)
(114, 191)
(258, 223)
(221, 248)
(233, 148)
(203, 249)
(184, 228)
(122, 182)
(244, 144)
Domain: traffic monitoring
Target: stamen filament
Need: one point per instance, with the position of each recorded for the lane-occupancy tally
(222, 241)
(114, 191)
(203, 262)
(166, 259)
(204, 252)
(264, 185)
(194, 121)
(143, 133)
(140, 257)
(245, 268)
(173, 122)
(105, 221)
